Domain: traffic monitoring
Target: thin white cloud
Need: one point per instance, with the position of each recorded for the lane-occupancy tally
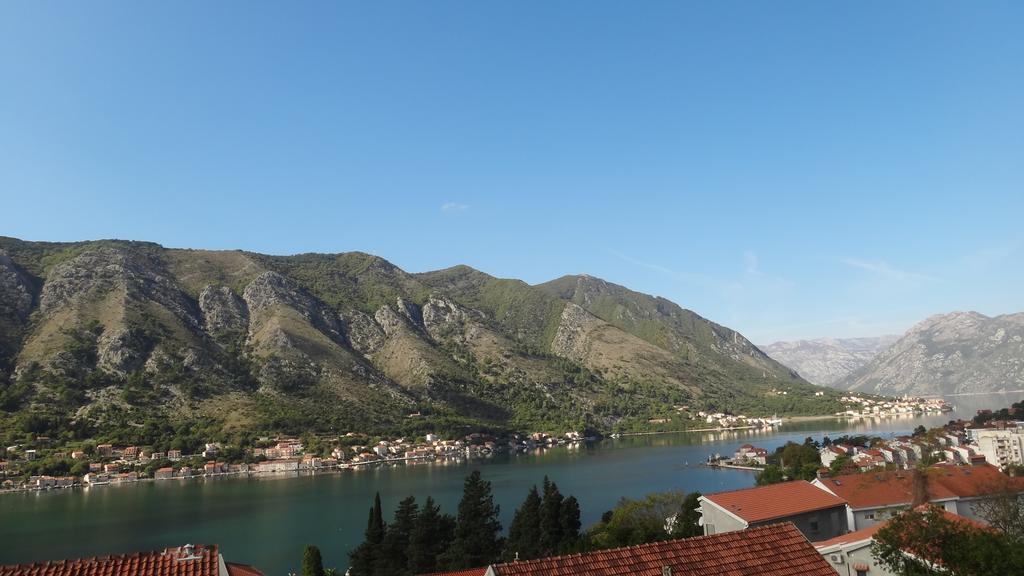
(690, 277)
(453, 207)
(882, 269)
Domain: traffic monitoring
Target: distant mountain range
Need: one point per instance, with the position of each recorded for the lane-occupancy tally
(117, 335)
(961, 352)
(955, 353)
(827, 361)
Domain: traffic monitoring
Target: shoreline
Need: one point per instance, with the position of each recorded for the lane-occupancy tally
(356, 465)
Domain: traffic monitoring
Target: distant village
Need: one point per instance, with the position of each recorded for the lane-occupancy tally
(996, 442)
(109, 464)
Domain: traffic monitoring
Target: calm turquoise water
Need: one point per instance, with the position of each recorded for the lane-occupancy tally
(267, 521)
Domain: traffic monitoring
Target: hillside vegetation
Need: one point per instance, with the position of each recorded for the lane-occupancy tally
(132, 341)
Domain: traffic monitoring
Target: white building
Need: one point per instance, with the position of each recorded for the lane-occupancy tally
(1001, 447)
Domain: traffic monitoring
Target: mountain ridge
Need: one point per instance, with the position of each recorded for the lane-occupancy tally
(112, 334)
(953, 353)
(826, 361)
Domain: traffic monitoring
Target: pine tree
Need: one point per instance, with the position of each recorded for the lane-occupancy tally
(312, 563)
(550, 519)
(524, 532)
(570, 519)
(477, 542)
(365, 558)
(431, 536)
(395, 546)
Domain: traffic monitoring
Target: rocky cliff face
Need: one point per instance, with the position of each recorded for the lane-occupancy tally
(954, 353)
(15, 304)
(826, 361)
(131, 332)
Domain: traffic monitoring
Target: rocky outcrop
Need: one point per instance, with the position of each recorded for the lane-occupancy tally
(571, 339)
(271, 290)
(826, 361)
(15, 305)
(364, 334)
(94, 274)
(961, 352)
(223, 311)
(122, 350)
(443, 318)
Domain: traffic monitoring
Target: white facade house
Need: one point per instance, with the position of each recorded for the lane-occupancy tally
(1000, 447)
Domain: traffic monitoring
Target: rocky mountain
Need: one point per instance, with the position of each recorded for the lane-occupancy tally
(953, 353)
(127, 336)
(826, 361)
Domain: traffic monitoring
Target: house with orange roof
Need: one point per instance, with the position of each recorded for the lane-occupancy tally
(973, 484)
(872, 497)
(818, 516)
(775, 550)
(875, 496)
(187, 560)
(850, 554)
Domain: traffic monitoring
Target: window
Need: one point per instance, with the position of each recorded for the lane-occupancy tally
(869, 516)
(814, 525)
(862, 573)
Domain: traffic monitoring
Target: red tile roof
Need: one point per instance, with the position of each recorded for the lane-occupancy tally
(469, 572)
(775, 501)
(775, 550)
(970, 481)
(894, 488)
(241, 570)
(857, 536)
(197, 561)
(879, 489)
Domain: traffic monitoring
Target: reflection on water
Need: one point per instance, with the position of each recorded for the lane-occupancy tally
(267, 520)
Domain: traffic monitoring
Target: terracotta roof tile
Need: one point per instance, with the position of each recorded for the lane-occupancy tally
(895, 488)
(976, 480)
(469, 572)
(775, 501)
(857, 536)
(198, 561)
(776, 550)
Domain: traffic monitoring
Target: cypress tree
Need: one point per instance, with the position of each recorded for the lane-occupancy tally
(570, 518)
(312, 563)
(477, 529)
(550, 519)
(395, 546)
(524, 532)
(428, 539)
(365, 558)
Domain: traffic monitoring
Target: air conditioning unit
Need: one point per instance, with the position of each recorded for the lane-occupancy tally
(835, 558)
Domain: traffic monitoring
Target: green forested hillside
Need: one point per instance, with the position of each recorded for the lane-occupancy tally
(133, 341)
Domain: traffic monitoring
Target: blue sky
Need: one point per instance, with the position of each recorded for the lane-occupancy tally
(789, 169)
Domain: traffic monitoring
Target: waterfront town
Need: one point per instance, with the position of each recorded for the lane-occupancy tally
(98, 464)
(954, 476)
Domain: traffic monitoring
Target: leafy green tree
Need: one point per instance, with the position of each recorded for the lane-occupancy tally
(686, 525)
(429, 539)
(523, 540)
(395, 546)
(366, 557)
(771, 474)
(312, 563)
(927, 542)
(792, 462)
(649, 519)
(477, 529)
